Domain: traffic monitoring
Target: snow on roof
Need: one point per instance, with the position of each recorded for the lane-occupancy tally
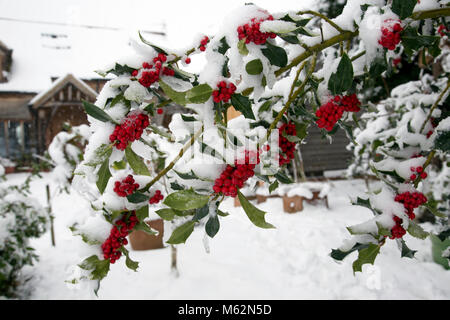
(58, 84)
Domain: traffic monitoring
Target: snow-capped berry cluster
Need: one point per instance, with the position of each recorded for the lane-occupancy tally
(233, 178)
(251, 32)
(151, 72)
(203, 44)
(418, 171)
(286, 146)
(223, 92)
(391, 34)
(157, 197)
(333, 110)
(129, 130)
(117, 237)
(411, 201)
(126, 186)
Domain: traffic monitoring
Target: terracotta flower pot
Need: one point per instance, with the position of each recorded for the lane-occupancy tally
(292, 204)
(10, 170)
(139, 240)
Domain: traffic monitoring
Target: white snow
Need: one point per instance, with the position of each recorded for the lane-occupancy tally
(289, 262)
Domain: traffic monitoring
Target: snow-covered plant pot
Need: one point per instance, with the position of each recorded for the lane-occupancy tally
(292, 204)
(140, 240)
(437, 248)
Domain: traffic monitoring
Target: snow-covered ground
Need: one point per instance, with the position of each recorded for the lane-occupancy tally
(245, 262)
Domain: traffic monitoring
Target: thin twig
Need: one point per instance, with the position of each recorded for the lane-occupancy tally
(441, 96)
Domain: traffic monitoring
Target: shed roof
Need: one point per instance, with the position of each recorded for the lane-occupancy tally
(15, 109)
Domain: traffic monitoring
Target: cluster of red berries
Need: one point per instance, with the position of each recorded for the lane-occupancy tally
(332, 111)
(117, 237)
(157, 197)
(153, 71)
(417, 172)
(442, 30)
(130, 130)
(203, 44)
(126, 186)
(390, 34)
(223, 92)
(410, 201)
(233, 178)
(251, 32)
(286, 146)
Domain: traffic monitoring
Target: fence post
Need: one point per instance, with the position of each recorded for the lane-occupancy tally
(49, 209)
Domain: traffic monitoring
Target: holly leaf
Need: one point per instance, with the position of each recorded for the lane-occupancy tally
(166, 214)
(176, 96)
(137, 197)
(403, 8)
(96, 112)
(212, 226)
(273, 186)
(136, 163)
(339, 255)
(100, 268)
(180, 234)
(366, 256)
(254, 214)
(416, 231)
(157, 49)
(280, 176)
(242, 48)
(100, 155)
(407, 252)
(442, 142)
(142, 213)
(223, 46)
(276, 55)
(142, 226)
(103, 176)
(243, 105)
(133, 265)
(186, 200)
(254, 67)
(200, 213)
(199, 94)
(342, 80)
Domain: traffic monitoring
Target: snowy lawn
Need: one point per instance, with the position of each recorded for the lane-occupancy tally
(245, 262)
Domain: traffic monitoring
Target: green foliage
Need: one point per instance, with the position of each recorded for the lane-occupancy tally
(186, 200)
(342, 79)
(180, 234)
(103, 176)
(254, 214)
(276, 55)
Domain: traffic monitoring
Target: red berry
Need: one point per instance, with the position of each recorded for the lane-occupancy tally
(129, 130)
(159, 111)
(390, 34)
(187, 60)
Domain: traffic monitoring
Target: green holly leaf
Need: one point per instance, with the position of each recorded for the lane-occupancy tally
(407, 252)
(442, 142)
(339, 255)
(200, 213)
(103, 176)
(254, 67)
(186, 200)
(277, 56)
(254, 214)
(133, 265)
(100, 155)
(243, 105)
(100, 268)
(223, 46)
(157, 49)
(136, 163)
(137, 197)
(403, 8)
(142, 226)
(142, 213)
(416, 231)
(212, 226)
(273, 186)
(176, 96)
(280, 176)
(199, 94)
(166, 214)
(96, 112)
(342, 80)
(366, 256)
(180, 234)
(242, 48)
